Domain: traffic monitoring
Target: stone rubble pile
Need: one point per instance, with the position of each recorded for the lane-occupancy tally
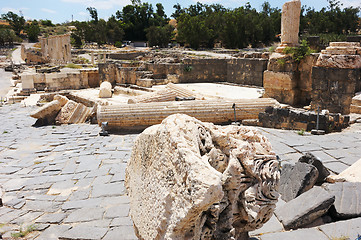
(313, 197)
(61, 111)
(188, 179)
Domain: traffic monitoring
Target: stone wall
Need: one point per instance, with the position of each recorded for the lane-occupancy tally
(333, 88)
(204, 70)
(246, 71)
(57, 48)
(83, 78)
(32, 55)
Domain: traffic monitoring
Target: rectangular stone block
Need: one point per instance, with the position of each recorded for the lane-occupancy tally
(305, 209)
(287, 96)
(279, 80)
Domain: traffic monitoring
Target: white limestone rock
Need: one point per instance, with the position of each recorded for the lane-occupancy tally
(339, 61)
(62, 99)
(192, 180)
(49, 110)
(105, 90)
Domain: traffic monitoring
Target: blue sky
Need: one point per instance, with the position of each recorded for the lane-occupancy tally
(60, 11)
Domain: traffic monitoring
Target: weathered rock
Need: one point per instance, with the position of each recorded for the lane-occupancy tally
(48, 111)
(305, 208)
(73, 112)
(192, 180)
(105, 90)
(62, 99)
(351, 174)
(347, 199)
(316, 162)
(339, 61)
(296, 180)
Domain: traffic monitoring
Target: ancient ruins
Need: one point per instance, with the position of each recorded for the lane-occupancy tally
(176, 143)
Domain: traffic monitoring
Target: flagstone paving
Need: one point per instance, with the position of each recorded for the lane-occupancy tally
(68, 182)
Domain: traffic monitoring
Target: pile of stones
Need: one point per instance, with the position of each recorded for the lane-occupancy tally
(310, 199)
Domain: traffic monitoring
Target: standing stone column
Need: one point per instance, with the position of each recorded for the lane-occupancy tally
(290, 23)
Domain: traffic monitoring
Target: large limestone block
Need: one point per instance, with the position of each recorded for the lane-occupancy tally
(62, 99)
(66, 112)
(339, 61)
(27, 81)
(279, 80)
(105, 90)
(187, 179)
(47, 110)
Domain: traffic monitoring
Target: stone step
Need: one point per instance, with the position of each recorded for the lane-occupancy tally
(342, 51)
(344, 44)
(355, 109)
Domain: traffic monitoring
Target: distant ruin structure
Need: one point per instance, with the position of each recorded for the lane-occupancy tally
(57, 48)
(290, 23)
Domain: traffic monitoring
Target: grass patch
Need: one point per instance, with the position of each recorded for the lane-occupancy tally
(72, 65)
(4, 132)
(301, 132)
(24, 232)
(38, 162)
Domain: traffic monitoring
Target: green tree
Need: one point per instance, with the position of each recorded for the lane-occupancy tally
(7, 37)
(159, 35)
(93, 13)
(33, 31)
(16, 22)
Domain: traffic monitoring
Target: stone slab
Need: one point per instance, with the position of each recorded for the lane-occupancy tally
(300, 234)
(347, 199)
(296, 179)
(305, 209)
(83, 232)
(317, 163)
(350, 229)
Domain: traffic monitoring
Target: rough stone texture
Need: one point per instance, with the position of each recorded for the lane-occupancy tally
(73, 112)
(305, 208)
(339, 61)
(62, 99)
(347, 199)
(296, 180)
(105, 90)
(188, 179)
(49, 110)
(290, 23)
(338, 230)
(333, 88)
(247, 71)
(316, 162)
(300, 234)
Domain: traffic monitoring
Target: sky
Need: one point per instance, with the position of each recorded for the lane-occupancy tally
(60, 11)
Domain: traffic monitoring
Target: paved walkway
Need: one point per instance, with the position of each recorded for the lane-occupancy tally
(69, 182)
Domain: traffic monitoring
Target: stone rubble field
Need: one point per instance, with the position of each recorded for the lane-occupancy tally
(67, 182)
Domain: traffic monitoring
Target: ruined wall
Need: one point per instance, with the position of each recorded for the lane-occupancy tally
(246, 71)
(57, 48)
(84, 78)
(204, 70)
(32, 55)
(125, 55)
(333, 88)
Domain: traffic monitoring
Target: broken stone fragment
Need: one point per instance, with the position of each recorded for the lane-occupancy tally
(347, 199)
(62, 99)
(48, 110)
(73, 112)
(305, 208)
(296, 179)
(105, 90)
(316, 162)
(350, 174)
(188, 179)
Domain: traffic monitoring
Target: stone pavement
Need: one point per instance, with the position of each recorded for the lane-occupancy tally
(68, 182)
